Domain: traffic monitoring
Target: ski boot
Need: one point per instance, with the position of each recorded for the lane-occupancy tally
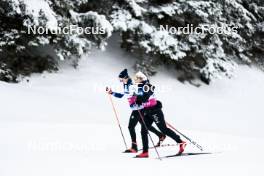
(182, 147)
(143, 155)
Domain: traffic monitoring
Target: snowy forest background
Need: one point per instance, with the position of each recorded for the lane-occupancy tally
(206, 57)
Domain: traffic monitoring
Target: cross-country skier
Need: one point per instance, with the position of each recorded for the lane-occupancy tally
(134, 117)
(152, 113)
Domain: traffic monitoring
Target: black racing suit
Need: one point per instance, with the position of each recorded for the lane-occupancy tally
(150, 115)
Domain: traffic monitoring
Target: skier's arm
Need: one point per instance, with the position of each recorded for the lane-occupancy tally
(117, 95)
(145, 98)
(142, 98)
(150, 103)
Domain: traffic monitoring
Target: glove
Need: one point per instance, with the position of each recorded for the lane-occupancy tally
(139, 101)
(109, 90)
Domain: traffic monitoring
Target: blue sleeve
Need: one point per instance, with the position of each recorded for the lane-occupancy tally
(117, 95)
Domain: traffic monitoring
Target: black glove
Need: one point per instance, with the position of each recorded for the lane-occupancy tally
(139, 100)
(108, 90)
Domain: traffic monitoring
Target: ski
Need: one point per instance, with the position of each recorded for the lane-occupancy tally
(162, 145)
(187, 154)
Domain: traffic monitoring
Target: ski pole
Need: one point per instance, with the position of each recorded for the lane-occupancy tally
(189, 139)
(115, 112)
(144, 123)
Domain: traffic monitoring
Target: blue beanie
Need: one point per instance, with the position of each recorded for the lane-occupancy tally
(123, 74)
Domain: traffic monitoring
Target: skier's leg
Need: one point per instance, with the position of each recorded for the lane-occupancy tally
(133, 120)
(155, 131)
(146, 122)
(160, 122)
(158, 118)
(144, 131)
(161, 135)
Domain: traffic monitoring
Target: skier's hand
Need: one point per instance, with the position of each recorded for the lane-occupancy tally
(109, 90)
(139, 101)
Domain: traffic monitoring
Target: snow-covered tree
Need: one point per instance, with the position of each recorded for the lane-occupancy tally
(22, 53)
(208, 55)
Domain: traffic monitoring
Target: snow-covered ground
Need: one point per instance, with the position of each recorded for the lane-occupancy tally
(63, 123)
